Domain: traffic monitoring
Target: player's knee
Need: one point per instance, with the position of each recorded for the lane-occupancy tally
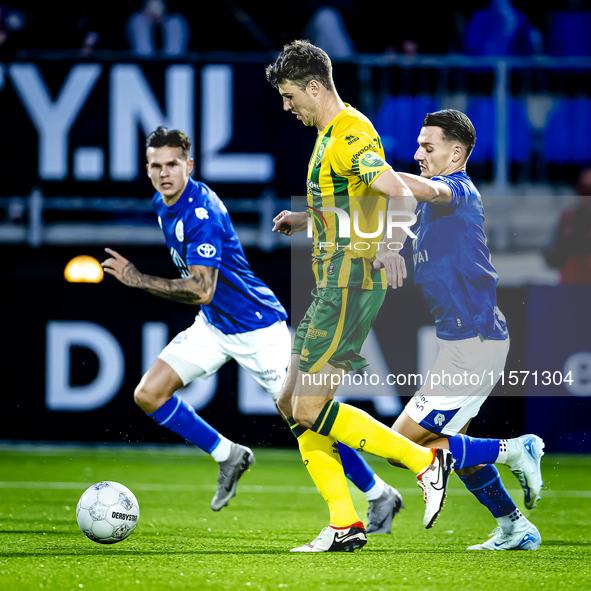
(143, 397)
(304, 417)
(284, 406)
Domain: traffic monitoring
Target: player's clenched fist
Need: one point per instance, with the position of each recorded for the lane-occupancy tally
(288, 222)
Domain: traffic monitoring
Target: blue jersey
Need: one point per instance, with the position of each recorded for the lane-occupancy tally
(453, 266)
(198, 231)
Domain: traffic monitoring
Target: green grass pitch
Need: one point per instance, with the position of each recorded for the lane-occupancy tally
(181, 544)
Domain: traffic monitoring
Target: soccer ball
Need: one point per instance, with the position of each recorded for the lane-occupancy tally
(107, 512)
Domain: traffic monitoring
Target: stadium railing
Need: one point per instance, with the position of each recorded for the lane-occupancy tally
(531, 116)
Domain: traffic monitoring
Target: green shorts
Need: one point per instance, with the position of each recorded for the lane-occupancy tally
(335, 328)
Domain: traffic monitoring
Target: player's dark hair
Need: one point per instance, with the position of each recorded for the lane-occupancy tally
(455, 126)
(172, 138)
(300, 62)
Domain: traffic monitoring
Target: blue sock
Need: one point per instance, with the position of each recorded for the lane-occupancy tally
(356, 469)
(469, 451)
(487, 487)
(178, 416)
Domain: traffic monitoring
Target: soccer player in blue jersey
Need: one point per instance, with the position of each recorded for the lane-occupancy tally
(453, 267)
(240, 317)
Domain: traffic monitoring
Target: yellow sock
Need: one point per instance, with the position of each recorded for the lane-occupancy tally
(358, 430)
(321, 458)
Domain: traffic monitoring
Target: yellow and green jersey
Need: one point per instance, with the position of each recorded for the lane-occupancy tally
(347, 158)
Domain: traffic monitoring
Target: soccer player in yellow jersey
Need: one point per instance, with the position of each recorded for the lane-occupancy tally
(347, 173)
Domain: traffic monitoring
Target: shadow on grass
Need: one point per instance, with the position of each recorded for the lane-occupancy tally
(564, 543)
(204, 552)
(40, 533)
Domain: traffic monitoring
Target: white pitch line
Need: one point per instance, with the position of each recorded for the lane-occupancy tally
(147, 487)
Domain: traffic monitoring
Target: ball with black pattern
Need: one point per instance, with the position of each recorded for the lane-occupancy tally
(107, 512)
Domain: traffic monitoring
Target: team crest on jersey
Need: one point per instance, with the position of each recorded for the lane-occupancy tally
(319, 154)
(439, 419)
(372, 159)
(206, 250)
(331, 269)
(179, 231)
(201, 213)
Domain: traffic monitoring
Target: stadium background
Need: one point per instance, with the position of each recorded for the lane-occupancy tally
(73, 183)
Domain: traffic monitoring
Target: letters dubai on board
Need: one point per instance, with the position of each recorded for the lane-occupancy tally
(62, 396)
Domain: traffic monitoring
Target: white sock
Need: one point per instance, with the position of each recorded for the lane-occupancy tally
(502, 459)
(222, 452)
(514, 450)
(513, 521)
(376, 491)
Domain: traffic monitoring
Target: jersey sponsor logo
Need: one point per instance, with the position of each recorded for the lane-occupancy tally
(459, 322)
(319, 154)
(202, 213)
(179, 231)
(206, 250)
(351, 139)
(372, 159)
(313, 188)
(420, 257)
(355, 157)
(313, 333)
(258, 315)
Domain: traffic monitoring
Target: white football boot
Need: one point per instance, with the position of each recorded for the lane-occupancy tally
(239, 461)
(383, 510)
(526, 467)
(526, 537)
(433, 480)
(331, 539)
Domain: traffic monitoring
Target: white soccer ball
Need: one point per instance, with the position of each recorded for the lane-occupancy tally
(107, 512)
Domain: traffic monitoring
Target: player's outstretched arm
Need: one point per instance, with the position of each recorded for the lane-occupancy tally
(390, 184)
(427, 190)
(288, 222)
(197, 289)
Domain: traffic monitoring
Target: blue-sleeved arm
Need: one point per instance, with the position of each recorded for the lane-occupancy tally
(204, 240)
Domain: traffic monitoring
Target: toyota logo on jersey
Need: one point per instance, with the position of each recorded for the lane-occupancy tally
(206, 250)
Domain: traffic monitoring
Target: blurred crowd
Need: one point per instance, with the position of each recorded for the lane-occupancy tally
(570, 249)
(170, 28)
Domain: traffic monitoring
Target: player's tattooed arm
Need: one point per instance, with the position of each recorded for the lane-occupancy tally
(197, 289)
